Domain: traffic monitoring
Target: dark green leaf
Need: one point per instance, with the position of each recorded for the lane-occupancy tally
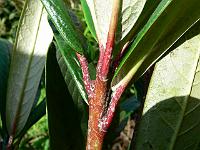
(36, 114)
(5, 52)
(171, 111)
(59, 14)
(74, 92)
(166, 25)
(63, 114)
(70, 68)
(27, 63)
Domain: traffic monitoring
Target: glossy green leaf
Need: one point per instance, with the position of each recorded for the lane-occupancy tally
(171, 111)
(60, 16)
(65, 67)
(5, 52)
(88, 18)
(28, 59)
(166, 25)
(70, 68)
(63, 114)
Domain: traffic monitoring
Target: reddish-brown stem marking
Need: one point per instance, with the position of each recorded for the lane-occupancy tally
(100, 61)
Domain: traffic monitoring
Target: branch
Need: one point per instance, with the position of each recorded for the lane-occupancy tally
(106, 120)
(86, 76)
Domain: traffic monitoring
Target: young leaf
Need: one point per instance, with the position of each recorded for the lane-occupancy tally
(130, 11)
(171, 111)
(165, 27)
(63, 115)
(99, 9)
(147, 11)
(28, 59)
(88, 18)
(5, 52)
(59, 14)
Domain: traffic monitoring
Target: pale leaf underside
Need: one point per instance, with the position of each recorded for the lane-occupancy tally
(101, 11)
(130, 11)
(172, 107)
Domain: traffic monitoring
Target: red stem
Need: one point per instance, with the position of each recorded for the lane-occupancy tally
(100, 61)
(108, 117)
(86, 76)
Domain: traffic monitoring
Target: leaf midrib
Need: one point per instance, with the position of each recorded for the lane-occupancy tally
(26, 74)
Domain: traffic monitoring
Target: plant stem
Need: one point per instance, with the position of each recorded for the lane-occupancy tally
(96, 106)
(108, 117)
(98, 100)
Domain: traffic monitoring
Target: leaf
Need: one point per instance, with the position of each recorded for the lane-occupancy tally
(28, 59)
(63, 115)
(165, 26)
(70, 68)
(147, 11)
(72, 73)
(99, 9)
(171, 111)
(130, 11)
(36, 114)
(59, 14)
(65, 66)
(5, 52)
(88, 18)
